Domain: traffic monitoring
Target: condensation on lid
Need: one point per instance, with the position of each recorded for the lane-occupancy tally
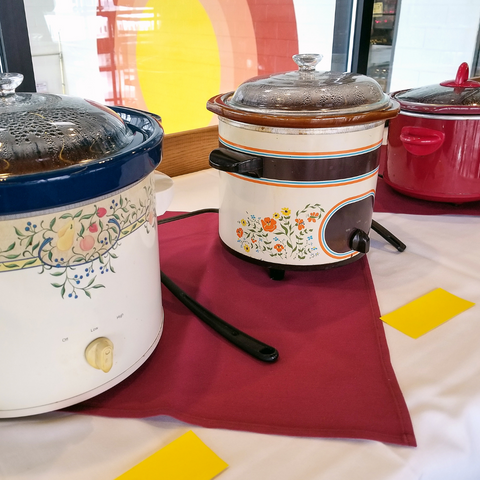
(307, 91)
(44, 132)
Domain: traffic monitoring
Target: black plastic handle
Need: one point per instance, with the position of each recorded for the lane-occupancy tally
(388, 236)
(231, 161)
(252, 346)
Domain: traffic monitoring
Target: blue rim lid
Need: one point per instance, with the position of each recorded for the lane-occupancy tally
(20, 194)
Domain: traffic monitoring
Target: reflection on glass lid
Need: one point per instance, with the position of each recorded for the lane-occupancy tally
(43, 132)
(441, 95)
(308, 91)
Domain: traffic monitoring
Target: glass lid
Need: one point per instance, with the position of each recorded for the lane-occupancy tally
(44, 132)
(460, 95)
(307, 91)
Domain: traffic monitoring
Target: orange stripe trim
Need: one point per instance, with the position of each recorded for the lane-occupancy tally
(278, 152)
(300, 185)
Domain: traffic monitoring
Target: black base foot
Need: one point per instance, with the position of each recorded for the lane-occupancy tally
(276, 273)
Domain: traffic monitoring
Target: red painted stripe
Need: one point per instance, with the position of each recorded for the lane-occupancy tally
(275, 28)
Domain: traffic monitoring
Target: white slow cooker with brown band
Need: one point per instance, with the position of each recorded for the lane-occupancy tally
(81, 305)
(298, 161)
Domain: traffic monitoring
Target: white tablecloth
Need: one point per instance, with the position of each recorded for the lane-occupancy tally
(439, 374)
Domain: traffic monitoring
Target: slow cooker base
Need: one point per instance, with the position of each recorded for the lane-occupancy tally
(68, 402)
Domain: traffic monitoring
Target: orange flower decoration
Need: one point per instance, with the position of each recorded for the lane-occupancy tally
(313, 217)
(239, 232)
(269, 224)
(300, 223)
(278, 247)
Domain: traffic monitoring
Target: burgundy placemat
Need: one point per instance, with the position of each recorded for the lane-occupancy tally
(390, 201)
(333, 377)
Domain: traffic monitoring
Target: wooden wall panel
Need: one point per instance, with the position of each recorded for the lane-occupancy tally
(188, 151)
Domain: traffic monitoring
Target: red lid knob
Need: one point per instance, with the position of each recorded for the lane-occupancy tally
(461, 80)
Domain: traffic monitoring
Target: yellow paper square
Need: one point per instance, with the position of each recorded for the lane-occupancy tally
(426, 313)
(186, 458)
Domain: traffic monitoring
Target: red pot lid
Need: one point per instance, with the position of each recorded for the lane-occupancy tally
(451, 97)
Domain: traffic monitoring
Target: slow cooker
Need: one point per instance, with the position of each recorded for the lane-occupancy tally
(433, 149)
(81, 305)
(298, 161)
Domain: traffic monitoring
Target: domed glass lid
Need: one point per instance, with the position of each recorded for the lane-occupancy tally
(44, 132)
(307, 91)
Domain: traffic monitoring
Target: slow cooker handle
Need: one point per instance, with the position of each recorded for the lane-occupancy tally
(237, 162)
(420, 140)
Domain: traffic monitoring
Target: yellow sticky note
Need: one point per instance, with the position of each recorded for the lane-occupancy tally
(186, 458)
(426, 313)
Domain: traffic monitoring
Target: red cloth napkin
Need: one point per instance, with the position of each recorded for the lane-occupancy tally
(389, 200)
(333, 377)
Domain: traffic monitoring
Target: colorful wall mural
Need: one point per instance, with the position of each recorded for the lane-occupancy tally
(169, 60)
(171, 56)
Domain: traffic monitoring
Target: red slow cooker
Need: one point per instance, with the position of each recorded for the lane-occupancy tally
(433, 150)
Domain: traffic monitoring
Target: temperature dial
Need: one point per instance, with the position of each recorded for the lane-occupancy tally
(99, 354)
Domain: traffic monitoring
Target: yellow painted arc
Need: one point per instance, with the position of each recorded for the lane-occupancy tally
(178, 63)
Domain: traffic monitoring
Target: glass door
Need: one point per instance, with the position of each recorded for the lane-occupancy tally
(380, 56)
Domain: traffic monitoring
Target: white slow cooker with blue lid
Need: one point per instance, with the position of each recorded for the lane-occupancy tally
(81, 304)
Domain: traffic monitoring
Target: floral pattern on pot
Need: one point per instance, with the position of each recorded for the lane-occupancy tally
(282, 234)
(77, 247)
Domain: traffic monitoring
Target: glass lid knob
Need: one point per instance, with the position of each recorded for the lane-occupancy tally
(307, 61)
(9, 82)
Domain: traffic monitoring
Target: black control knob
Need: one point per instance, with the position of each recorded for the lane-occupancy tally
(360, 241)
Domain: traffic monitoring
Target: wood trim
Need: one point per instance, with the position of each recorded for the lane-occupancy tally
(188, 151)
